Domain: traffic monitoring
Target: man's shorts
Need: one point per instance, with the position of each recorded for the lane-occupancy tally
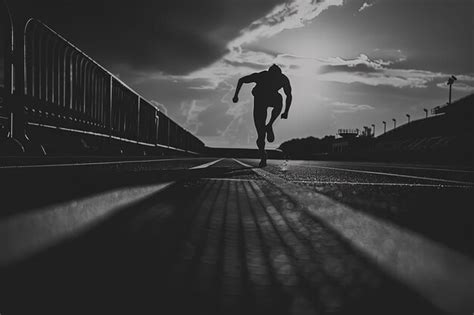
(268, 100)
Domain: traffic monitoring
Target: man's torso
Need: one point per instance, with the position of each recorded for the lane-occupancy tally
(268, 85)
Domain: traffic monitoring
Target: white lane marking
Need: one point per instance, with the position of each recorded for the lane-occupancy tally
(25, 234)
(463, 183)
(231, 179)
(428, 169)
(397, 175)
(205, 164)
(417, 261)
(242, 163)
(91, 163)
(380, 184)
(421, 263)
(400, 166)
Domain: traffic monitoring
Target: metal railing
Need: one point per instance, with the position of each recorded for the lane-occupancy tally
(352, 132)
(6, 46)
(65, 88)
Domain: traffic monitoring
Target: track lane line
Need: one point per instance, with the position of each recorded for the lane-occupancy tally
(397, 175)
(399, 166)
(25, 234)
(388, 174)
(205, 165)
(430, 268)
(379, 184)
(92, 163)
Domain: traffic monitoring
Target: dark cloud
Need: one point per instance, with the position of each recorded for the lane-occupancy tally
(252, 65)
(171, 36)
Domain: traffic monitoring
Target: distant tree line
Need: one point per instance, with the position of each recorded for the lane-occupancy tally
(307, 147)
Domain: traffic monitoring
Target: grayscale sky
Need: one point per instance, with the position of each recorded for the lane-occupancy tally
(351, 63)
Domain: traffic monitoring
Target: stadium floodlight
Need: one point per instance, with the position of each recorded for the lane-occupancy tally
(384, 126)
(450, 83)
(394, 123)
(426, 112)
(408, 116)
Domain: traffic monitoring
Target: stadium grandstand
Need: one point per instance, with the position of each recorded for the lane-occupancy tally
(447, 136)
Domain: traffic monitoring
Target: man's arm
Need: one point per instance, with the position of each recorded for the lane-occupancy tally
(289, 98)
(247, 79)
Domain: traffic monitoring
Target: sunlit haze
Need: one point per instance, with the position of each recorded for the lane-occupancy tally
(351, 63)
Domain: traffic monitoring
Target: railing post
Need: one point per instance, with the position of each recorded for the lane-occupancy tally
(110, 105)
(17, 101)
(169, 131)
(138, 118)
(12, 64)
(157, 126)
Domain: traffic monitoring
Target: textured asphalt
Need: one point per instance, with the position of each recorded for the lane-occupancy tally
(223, 240)
(435, 201)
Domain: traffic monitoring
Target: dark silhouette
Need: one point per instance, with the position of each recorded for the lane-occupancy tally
(266, 95)
(441, 138)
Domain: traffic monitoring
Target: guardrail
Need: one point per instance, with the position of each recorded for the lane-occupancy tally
(6, 42)
(63, 88)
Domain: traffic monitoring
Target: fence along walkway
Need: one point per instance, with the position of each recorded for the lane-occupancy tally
(66, 89)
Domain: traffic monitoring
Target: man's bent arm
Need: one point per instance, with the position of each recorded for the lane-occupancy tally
(239, 86)
(247, 79)
(289, 98)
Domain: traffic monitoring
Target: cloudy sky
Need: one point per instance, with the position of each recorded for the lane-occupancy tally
(351, 63)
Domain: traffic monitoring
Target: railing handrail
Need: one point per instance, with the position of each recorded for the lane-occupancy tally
(59, 36)
(78, 50)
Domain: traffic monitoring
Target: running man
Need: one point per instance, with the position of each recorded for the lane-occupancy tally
(265, 93)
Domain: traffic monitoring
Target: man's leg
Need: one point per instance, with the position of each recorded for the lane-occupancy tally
(259, 117)
(277, 107)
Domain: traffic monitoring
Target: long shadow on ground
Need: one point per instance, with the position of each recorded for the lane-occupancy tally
(205, 247)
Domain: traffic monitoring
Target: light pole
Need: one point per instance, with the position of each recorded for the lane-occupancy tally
(394, 123)
(450, 83)
(408, 116)
(426, 112)
(384, 126)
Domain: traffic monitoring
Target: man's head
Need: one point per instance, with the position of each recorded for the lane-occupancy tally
(274, 69)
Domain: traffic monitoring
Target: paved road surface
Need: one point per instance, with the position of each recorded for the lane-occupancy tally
(435, 201)
(221, 237)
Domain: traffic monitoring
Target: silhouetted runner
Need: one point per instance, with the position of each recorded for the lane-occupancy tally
(266, 95)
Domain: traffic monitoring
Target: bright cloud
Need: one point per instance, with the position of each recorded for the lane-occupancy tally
(362, 59)
(291, 15)
(191, 111)
(231, 65)
(311, 77)
(464, 83)
(239, 60)
(343, 107)
(457, 86)
(397, 78)
(239, 131)
(375, 72)
(365, 6)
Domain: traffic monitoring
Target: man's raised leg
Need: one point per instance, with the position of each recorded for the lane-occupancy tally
(269, 127)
